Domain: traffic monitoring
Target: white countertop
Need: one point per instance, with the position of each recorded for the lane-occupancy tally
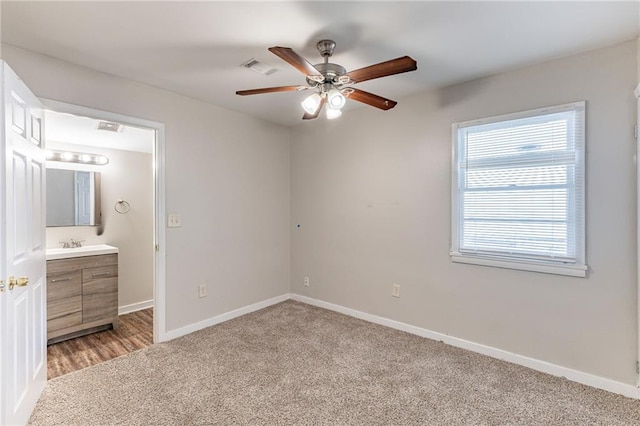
(65, 253)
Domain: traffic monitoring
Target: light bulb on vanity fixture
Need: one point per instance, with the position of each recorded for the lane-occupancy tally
(76, 157)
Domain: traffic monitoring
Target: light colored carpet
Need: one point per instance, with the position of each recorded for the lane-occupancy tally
(295, 364)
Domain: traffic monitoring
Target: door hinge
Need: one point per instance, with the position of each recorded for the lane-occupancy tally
(637, 367)
(157, 247)
(635, 131)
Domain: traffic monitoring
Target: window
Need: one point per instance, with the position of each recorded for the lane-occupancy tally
(518, 191)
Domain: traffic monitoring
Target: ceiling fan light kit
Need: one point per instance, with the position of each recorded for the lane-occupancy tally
(311, 103)
(331, 83)
(335, 98)
(333, 113)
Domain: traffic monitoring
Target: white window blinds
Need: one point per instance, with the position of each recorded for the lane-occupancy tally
(518, 191)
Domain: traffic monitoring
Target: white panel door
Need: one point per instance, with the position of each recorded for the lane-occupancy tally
(23, 366)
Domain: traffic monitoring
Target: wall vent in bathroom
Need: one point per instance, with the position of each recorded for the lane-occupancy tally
(110, 127)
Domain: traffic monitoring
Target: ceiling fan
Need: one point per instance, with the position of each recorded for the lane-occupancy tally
(331, 83)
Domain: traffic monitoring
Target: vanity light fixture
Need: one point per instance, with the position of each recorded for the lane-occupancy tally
(76, 157)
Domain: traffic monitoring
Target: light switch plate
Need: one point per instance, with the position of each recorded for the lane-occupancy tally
(174, 221)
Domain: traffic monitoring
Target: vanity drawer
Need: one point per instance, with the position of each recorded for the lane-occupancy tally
(64, 294)
(79, 263)
(91, 274)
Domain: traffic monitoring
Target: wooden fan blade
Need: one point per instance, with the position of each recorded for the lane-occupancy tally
(308, 116)
(383, 69)
(301, 64)
(271, 90)
(369, 98)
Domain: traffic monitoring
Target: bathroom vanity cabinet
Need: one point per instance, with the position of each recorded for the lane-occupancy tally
(82, 295)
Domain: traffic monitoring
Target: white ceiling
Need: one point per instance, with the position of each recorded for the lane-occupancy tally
(195, 48)
(65, 129)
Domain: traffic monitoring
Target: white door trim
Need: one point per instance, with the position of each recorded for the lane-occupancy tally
(159, 273)
(637, 93)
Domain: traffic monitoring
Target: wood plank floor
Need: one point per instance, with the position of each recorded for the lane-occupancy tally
(134, 331)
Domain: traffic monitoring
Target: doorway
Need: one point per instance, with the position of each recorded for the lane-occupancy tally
(132, 187)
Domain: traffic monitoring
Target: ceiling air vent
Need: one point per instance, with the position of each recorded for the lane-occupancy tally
(258, 67)
(110, 127)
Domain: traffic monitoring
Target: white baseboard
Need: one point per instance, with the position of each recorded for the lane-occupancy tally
(535, 364)
(127, 309)
(183, 331)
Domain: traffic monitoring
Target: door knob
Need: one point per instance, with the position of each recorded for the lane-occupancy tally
(19, 282)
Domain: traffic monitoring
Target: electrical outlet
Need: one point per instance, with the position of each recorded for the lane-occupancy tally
(306, 281)
(202, 290)
(395, 290)
(174, 220)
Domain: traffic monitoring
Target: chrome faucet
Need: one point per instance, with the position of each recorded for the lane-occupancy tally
(76, 243)
(72, 243)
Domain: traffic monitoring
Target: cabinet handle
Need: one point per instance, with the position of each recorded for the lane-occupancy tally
(61, 279)
(101, 274)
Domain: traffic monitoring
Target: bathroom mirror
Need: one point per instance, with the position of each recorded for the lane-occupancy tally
(73, 198)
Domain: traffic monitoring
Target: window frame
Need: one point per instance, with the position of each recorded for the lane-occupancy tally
(575, 268)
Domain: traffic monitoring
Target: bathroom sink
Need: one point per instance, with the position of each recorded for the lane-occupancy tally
(65, 253)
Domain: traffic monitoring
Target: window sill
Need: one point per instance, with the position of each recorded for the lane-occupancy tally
(579, 271)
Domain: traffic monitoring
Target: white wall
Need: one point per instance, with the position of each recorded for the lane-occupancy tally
(226, 173)
(371, 192)
(127, 176)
